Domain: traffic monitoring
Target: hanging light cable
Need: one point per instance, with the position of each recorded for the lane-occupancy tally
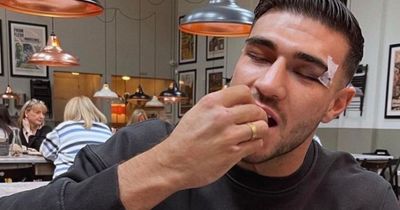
(8, 94)
(154, 102)
(52, 54)
(219, 18)
(105, 91)
(54, 8)
(120, 99)
(139, 95)
(172, 94)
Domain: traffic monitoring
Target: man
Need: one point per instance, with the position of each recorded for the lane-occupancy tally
(245, 147)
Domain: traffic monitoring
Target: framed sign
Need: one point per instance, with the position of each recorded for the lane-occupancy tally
(187, 84)
(214, 79)
(187, 47)
(215, 47)
(1, 50)
(392, 108)
(25, 40)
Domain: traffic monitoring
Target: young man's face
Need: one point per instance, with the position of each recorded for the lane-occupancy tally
(282, 61)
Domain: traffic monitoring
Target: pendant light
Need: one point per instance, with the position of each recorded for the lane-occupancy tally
(8, 94)
(154, 102)
(219, 18)
(105, 92)
(172, 94)
(139, 95)
(54, 8)
(52, 54)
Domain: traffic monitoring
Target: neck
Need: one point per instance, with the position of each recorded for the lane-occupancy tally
(280, 166)
(34, 128)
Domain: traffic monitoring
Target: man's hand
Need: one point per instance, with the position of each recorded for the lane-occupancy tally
(211, 138)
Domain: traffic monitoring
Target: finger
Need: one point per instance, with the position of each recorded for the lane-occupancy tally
(249, 147)
(239, 94)
(243, 132)
(247, 113)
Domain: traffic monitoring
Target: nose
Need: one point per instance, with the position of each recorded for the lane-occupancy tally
(273, 82)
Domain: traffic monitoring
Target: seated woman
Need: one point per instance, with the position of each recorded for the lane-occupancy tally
(31, 123)
(83, 124)
(138, 115)
(6, 125)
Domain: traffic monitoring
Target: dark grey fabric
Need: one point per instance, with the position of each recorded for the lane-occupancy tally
(326, 180)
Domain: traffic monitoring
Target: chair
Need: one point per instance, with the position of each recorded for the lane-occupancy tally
(378, 166)
(359, 83)
(393, 177)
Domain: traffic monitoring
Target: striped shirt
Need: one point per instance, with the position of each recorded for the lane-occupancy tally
(64, 142)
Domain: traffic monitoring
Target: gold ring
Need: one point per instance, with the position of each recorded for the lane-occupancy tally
(253, 129)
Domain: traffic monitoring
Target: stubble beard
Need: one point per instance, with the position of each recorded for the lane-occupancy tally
(287, 141)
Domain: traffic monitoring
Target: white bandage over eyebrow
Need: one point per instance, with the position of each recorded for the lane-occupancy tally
(326, 78)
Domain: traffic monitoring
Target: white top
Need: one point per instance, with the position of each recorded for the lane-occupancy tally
(64, 142)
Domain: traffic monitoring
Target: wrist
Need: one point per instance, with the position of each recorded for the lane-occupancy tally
(144, 183)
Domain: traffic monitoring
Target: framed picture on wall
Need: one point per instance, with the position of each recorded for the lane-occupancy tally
(187, 84)
(25, 40)
(392, 107)
(187, 47)
(215, 47)
(1, 50)
(214, 79)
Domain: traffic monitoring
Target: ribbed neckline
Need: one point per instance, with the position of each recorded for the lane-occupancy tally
(263, 184)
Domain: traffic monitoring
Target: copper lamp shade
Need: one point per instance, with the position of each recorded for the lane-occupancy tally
(172, 94)
(53, 55)
(9, 94)
(222, 18)
(54, 8)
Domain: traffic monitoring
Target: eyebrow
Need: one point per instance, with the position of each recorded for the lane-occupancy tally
(311, 59)
(261, 41)
(299, 55)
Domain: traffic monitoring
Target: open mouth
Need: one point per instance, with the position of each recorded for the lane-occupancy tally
(271, 121)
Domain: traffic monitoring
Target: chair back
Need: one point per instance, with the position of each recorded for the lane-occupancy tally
(378, 166)
(393, 175)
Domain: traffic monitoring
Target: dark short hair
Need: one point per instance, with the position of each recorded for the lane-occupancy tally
(332, 13)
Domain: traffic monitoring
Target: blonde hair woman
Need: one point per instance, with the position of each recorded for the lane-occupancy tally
(31, 123)
(83, 124)
(138, 115)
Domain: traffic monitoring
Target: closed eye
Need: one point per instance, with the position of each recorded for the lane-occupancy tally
(257, 58)
(308, 77)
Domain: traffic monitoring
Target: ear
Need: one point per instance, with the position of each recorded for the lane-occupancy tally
(339, 103)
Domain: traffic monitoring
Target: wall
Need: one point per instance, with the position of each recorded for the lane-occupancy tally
(232, 48)
(85, 38)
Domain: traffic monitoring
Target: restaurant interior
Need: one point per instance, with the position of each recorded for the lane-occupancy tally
(136, 48)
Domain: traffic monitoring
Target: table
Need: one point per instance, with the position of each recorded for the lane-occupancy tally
(361, 157)
(40, 164)
(15, 187)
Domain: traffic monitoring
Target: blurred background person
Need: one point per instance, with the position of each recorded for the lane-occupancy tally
(138, 115)
(31, 123)
(6, 125)
(83, 124)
